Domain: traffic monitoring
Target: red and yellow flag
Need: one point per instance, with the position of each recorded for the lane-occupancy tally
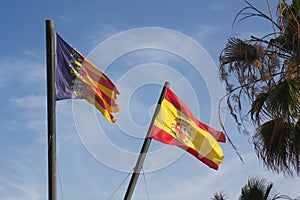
(79, 78)
(176, 125)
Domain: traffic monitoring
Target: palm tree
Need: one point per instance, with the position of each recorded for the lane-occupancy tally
(256, 189)
(219, 196)
(266, 71)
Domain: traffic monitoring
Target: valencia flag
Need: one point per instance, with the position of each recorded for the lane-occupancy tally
(176, 125)
(78, 78)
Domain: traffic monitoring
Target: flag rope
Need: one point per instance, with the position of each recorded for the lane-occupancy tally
(119, 186)
(60, 182)
(145, 182)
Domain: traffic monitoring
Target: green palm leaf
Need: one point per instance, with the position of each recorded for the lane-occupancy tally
(283, 101)
(277, 144)
(265, 72)
(238, 50)
(257, 108)
(219, 196)
(258, 189)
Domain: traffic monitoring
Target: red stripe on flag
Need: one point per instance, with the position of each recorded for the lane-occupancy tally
(100, 78)
(100, 105)
(162, 136)
(107, 100)
(218, 135)
(94, 89)
(179, 105)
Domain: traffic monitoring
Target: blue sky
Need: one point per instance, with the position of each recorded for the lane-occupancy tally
(89, 166)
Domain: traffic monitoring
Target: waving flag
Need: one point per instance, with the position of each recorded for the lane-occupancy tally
(78, 78)
(176, 125)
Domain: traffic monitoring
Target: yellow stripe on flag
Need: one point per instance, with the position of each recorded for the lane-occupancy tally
(108, 92)
(104, 112)
(77, 77)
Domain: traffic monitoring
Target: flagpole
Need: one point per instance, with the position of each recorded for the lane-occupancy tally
(51, 104)
(145, 148)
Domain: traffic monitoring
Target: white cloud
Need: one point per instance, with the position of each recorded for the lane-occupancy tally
(30, 115)
(217, 7)
(22, 182)
(202, 32)
(31, 54)
(104, 31)
(21, 71)
(37, 125)
(30, 101)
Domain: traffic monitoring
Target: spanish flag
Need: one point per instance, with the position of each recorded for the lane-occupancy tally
(176, 125)
(78, 78)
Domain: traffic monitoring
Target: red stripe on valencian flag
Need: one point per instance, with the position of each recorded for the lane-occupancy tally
(109, 101)
(100, 108)
(91, 95)
(87, 66)
(94, 88)
(100, 105)
(101, 78)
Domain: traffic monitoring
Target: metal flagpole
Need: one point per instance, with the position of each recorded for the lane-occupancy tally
(51, 104)
(144, 149)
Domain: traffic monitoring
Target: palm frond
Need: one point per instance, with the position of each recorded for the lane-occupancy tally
(237, 50)
(253, 11)
(256, 188)
(289, 18)
(265, 71)
(257, 108)
(276, 146)
(284, 100)
(219, 196)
